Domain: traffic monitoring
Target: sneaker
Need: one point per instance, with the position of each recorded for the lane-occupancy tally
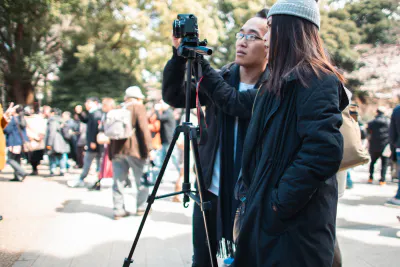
(140, 212)
(370, 181)
(381, 183)
(121, 215)
(394, 202)
(76, 183)
(228, 262)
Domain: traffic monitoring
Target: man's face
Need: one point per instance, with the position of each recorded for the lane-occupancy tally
(89, 104)
(252, 53)
(106, 107)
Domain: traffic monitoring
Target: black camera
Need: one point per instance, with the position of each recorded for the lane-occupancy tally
(185, 26)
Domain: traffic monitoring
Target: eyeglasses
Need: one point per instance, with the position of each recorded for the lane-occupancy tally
(248, 37)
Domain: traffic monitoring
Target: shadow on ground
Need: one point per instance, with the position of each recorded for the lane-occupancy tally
(76, 206)
(175, 251)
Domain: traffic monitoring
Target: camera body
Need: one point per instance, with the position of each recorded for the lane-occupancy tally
(185, 26)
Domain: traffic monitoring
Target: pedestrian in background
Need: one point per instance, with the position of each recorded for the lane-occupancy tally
(94, 150)
(167, 127)
(131, 153)
(36, 128)
(56, 144)
(378, 131)
(15, 139)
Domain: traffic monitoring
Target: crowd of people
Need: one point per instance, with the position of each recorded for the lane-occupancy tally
(75, 140)
(269, 165)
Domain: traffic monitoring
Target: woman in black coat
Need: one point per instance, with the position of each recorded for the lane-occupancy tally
(293, 147)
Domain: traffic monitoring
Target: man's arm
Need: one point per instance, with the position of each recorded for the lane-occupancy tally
(226, 97)
(174, 85)
(83, 117)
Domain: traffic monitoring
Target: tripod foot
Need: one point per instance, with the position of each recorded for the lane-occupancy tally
(127, 262)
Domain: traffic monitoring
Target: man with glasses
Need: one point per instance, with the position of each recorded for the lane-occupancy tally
(220, 157)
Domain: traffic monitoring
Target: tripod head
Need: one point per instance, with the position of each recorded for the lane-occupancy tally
(189, 49)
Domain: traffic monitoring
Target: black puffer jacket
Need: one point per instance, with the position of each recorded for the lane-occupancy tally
(378, 130)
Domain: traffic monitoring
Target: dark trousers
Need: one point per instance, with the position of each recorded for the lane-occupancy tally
(35, 158)
(374, 158)
(201, 256)
(337, 257)
(79, 155)
(14, 160)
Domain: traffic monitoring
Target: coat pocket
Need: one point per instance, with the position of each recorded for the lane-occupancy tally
(272, 225)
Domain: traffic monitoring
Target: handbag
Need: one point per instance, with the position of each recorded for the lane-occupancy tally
(102, 139)
(354, 153)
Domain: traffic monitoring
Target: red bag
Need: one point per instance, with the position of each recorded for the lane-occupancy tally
(106, 170)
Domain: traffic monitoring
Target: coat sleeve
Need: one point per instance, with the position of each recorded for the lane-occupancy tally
(392, 130)
(226, 97)
(318, 121)
(83, 117)
(174, 85)
(142, 130)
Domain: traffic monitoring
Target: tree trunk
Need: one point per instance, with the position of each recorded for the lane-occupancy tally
(21, 92)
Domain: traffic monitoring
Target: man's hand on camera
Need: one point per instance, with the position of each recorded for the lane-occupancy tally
(176, 41)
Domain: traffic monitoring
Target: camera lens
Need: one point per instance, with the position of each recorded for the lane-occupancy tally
(176, 27)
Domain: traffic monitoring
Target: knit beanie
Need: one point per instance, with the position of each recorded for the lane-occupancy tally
(306, 9)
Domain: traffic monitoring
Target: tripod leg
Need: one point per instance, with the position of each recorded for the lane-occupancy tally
(200, 186)
(151, 198)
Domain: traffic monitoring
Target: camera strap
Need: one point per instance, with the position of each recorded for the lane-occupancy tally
(200, 114)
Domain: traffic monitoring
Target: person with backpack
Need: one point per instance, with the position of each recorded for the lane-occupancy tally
(94, 150)
(56, 143)
(128, 150)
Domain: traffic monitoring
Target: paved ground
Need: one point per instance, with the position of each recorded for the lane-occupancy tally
(48, 224)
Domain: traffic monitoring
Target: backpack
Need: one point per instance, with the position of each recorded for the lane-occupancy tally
(118, 124)
(66, 132)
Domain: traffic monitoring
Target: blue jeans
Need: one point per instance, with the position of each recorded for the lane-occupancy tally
(348, 179)
(398, 172)
(87, 163)
(57, 160)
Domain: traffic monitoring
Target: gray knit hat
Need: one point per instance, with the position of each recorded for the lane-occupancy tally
(306, 9)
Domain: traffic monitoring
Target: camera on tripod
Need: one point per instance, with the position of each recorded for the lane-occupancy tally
(186, 27)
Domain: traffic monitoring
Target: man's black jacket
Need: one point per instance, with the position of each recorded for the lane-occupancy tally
(93, 121)
(214, 91)
(379, 132)
(167, 126)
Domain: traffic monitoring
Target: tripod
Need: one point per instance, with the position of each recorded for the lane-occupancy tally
(191, 133)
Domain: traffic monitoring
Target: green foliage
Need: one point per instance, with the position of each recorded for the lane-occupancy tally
(377, 20)
(79, 81)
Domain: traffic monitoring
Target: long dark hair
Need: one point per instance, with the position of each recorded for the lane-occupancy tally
(296, 48)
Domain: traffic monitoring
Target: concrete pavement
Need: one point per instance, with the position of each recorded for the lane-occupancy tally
(48, 224)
